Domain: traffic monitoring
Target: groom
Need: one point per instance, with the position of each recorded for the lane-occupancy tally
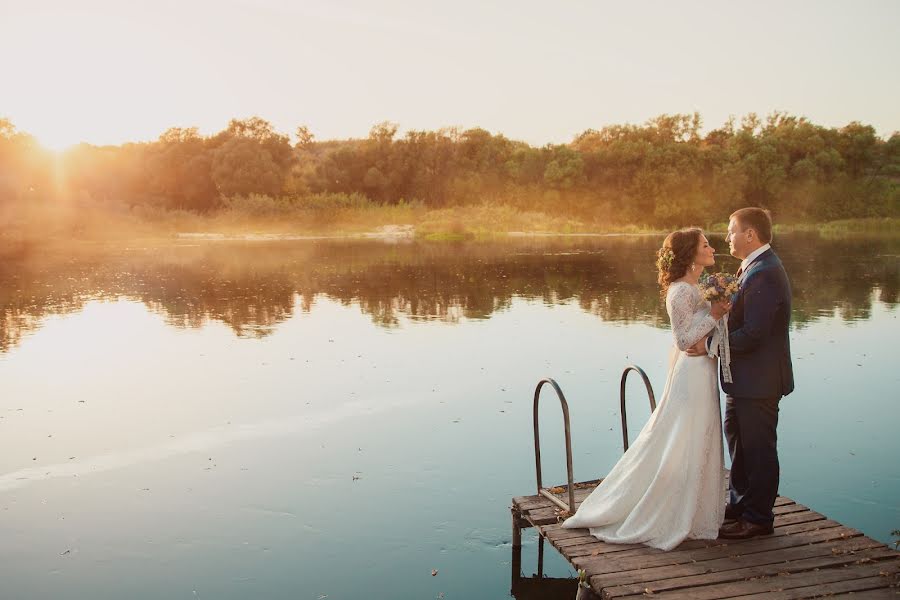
(761, 374)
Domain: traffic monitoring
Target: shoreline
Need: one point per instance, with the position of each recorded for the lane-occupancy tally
(22, 239)
(881, 226)
(381, 235)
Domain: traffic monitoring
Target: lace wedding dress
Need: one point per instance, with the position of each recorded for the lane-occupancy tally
(670, 484)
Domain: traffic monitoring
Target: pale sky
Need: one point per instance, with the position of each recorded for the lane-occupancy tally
(108, 71)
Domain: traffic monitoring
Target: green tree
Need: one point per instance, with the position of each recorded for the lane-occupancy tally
(242, 166)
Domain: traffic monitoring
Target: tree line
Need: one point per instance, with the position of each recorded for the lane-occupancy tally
(665, 172)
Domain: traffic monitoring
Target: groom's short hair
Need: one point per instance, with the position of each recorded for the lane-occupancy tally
(759, 219)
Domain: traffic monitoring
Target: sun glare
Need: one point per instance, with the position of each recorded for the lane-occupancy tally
(52, 132)
(54, 135)
(54, 144)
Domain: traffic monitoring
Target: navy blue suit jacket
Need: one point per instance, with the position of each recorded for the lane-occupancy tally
(758, 332)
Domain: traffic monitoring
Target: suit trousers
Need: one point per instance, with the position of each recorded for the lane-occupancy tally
(750, 430)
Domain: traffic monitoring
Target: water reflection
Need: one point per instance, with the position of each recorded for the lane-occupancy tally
(252, 287)
(538, 586)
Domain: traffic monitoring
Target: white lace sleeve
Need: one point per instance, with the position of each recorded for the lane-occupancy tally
(689, 324)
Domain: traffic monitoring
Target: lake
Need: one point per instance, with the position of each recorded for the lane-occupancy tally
(230, 420)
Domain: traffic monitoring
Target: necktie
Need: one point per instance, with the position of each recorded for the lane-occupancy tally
(740, 270)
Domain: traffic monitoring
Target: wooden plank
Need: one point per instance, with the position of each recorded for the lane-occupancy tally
(551, 515)
(883, 594)
(825, 582)
(721, 547)
(649, 559)
(590, 546)
(795, 585)
(557, 533)
(817, 565)
(545, 516)
(539, 521)
(594, 547)
(536, 502)
(605, 547)
(541, 512)
(787, 509)
(799, 517)
(598, 548)
(694, 576)
(629, 571)
(576, 541)
(807, 526)
(531, 503)
(727, 559)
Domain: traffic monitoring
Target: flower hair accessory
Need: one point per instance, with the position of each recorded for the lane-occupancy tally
(665, 258)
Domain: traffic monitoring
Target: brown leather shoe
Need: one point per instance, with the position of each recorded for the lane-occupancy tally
(744, 530)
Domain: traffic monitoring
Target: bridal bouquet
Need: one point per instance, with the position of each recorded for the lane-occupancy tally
(717, 287)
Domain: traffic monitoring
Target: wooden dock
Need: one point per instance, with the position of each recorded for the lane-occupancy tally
(808, 556)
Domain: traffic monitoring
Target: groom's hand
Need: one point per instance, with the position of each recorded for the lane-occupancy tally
(719, 309)
(698, 349)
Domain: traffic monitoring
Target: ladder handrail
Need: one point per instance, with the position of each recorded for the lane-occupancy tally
(643, 375)
(537, 447)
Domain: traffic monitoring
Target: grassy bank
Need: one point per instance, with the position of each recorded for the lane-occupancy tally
(874, 226)
(332, 215)
(341, 215)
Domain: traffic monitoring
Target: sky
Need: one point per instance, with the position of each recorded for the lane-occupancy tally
(106, 72)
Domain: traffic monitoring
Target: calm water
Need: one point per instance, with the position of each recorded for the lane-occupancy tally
(302, 420)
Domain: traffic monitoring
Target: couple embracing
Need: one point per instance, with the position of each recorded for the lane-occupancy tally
(670, 484)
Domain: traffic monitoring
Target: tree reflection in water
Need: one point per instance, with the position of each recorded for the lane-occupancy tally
(252, 287)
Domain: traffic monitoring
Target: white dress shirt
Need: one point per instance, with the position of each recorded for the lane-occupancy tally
(750, 258)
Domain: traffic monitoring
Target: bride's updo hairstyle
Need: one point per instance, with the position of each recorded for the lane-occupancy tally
(676, 255)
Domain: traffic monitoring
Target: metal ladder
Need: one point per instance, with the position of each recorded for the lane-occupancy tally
(517, 522)
(570, 484)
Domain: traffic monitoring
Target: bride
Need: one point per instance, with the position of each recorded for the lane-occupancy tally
(670, 484)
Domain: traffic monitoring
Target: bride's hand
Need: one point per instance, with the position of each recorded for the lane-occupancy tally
(698, 349)
(719, 309)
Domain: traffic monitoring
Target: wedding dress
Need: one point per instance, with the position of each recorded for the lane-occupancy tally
(670, 484)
